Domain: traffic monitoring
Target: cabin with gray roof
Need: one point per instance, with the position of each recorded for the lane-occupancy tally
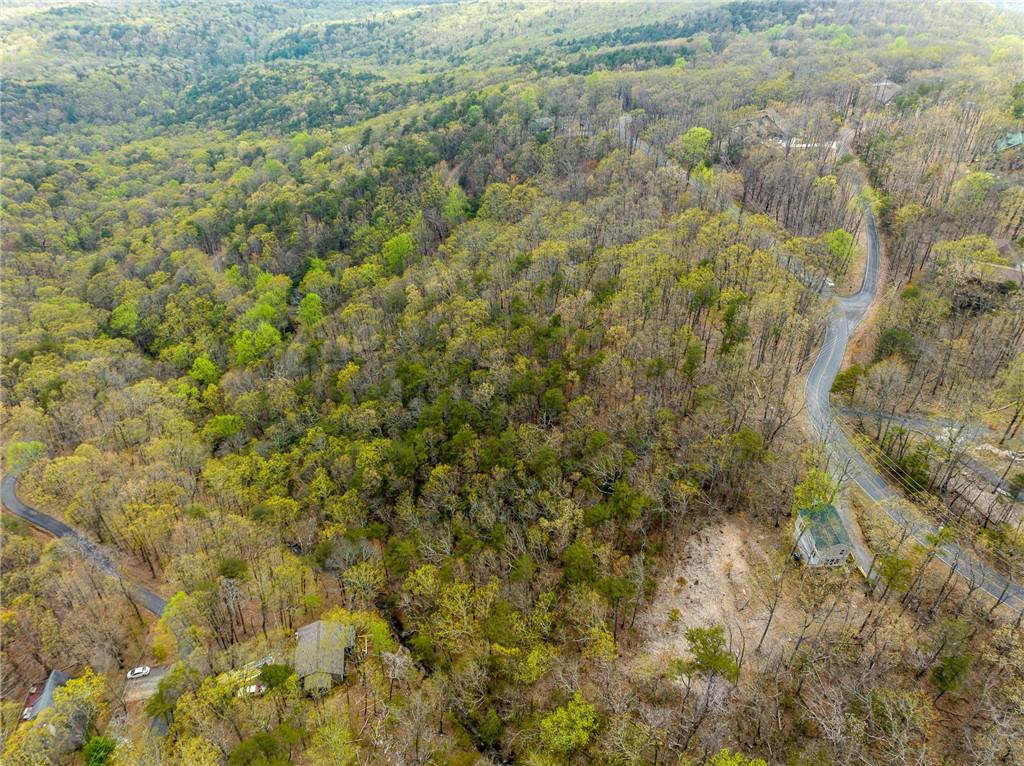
(821, 539)
(320, 654)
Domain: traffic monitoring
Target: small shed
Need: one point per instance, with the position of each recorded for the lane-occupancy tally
(320, 654)
(41, 696)
(821, 539)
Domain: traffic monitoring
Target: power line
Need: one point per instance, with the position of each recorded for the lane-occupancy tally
(948, 518)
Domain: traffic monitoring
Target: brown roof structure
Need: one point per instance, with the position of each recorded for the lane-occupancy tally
(320, 652)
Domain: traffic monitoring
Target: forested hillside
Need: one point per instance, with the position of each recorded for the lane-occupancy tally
(478, 332)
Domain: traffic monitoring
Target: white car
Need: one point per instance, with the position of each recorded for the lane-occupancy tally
(139, 672)
(252, 690)
(830, 284)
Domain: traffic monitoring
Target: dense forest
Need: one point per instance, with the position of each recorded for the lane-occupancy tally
(478, 333)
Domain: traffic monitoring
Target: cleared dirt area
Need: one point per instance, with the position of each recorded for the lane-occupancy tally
(716, 581)
(710, 585)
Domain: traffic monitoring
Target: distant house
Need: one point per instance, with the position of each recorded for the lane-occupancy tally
(320, 654)
(763, 124)
(885, 91)
(40, 695)
(821, 539)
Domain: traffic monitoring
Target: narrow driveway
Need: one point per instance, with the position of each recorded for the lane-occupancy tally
(140, 689)
(142, 595)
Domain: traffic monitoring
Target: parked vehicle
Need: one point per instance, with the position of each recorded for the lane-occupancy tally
(139, 672)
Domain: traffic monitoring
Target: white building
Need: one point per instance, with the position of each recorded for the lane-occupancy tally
(821, 539)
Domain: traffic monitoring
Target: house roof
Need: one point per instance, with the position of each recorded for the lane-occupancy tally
(823, 524)
(766, 121)
(321, 647)
(885, 90)
(45, 697)
(1010, 140)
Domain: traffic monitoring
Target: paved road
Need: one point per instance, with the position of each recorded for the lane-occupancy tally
(942, 429)
(141, 689)
(847, 314)
(142, 595)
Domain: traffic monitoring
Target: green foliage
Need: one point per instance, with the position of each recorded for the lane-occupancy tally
(711, 656)
(275, 675)
(691, 148)
(98, 749)
(840, 245)
(223, 427)
(914, 464)
(949, 672)
(1006, 541)
(842, 39)
(490, 727)
(370, 625)
(552, 402)
(895, 341)
(725, 758)
(456, 206)
(302, 145)
(569, 728)
(204, 370)
(373, 311)
(19, 455)
(1017, 100)
(400, 555)
(310, 312)
(977, 248)
(124, 319)
(1017, 483)
(232, 568)
(895, 571)
(251, 346)
(168, 690)
(578, 563)
(261, 749)
(816, 488)
(847, 381)
(397, 252)
(333, 745)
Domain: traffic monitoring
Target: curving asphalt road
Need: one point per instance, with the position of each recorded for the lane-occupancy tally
(847, 314)
(142, 595)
